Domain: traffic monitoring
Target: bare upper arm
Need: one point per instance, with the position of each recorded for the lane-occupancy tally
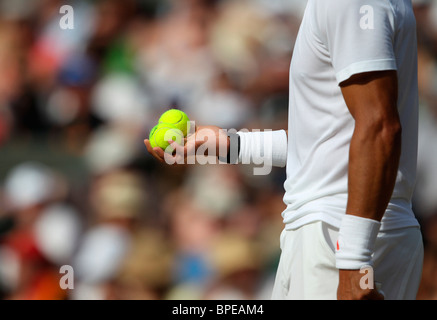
(372, 96)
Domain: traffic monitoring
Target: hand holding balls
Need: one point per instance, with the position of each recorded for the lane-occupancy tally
(172, 125)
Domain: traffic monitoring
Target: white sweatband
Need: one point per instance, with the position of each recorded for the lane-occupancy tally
(356, 241)
(263, 147)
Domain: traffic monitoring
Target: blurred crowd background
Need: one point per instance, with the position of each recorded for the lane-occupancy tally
(77, 186)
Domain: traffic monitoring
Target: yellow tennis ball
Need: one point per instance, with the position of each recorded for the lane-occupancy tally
(162, 133)
(177, 118)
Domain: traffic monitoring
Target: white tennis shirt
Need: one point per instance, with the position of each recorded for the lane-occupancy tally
(337, 39)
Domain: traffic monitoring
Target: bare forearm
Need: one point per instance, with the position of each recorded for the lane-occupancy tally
(373, 165)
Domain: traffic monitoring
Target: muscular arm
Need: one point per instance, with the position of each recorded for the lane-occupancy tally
(376, 143)
(373, 157)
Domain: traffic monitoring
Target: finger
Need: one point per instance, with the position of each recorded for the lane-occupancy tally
(372, 294)
(159, 152)
(378, 295)
(172, 150)
(148, 146)
(156, 152)
(176, 147)
(181, 152)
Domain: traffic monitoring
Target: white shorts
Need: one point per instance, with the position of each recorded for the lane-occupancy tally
(307, 269)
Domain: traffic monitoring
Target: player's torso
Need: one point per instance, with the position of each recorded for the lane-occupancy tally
(320, 124)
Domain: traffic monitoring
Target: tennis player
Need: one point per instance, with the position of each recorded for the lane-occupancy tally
(350, 154)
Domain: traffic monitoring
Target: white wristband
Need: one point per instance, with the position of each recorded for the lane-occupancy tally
(263, 147)
(356, 241)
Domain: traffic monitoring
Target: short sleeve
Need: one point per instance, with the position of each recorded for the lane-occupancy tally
(360, 36)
